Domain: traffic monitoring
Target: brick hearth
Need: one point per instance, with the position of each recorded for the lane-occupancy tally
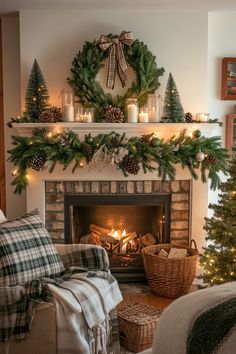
(180, 207)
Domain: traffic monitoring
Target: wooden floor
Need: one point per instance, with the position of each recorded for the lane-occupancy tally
(149, 299)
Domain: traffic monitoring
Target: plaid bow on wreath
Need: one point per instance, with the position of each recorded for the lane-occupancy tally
(116, 59)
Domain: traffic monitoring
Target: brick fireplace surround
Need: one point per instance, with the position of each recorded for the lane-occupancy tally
(180, 191)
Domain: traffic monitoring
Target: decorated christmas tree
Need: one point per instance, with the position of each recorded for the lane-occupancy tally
(219, 258)
(173, 110)
(37, 97)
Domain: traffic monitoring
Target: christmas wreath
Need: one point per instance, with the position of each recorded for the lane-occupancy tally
(119, 49)
(46, 149)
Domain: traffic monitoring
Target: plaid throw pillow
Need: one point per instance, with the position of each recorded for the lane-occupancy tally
(26, 251)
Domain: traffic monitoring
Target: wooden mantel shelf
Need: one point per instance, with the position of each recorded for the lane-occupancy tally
(25, 129)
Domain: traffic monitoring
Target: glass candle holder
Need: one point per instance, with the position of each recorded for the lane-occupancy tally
(88, 115)
(154, 107)
(67, 105)
(79, 111)
(132, 110)
(143, 115)
(202, 117)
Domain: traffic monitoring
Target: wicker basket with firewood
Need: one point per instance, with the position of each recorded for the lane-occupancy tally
(167, 277)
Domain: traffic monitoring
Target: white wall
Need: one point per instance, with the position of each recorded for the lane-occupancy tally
(16, 205)
(178, 39)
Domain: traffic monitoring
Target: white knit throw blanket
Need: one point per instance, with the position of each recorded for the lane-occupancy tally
(82, 310)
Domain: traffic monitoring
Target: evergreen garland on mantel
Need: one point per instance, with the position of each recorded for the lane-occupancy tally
(46, 149)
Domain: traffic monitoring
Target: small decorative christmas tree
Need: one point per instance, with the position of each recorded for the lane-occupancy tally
(173, 110)
(219, 258)
(37, 97)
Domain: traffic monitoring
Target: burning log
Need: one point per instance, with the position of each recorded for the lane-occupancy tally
(123, 241)
(108, 239)
(99, 230)
(91, 239)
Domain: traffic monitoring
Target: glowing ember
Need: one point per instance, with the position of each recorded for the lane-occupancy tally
(117, 234)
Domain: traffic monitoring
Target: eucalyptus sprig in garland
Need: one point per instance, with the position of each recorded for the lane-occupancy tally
(45, 150)
(87, 64)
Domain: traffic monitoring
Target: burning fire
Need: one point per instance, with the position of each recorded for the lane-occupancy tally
(117, 234)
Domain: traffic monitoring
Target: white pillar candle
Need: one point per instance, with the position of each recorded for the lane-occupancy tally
(132, 113)
(154, 116)
(143, 117)
(86, 117)
(203, 117)
(68, 113)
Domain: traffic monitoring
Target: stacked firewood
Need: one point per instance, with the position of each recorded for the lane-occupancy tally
(130, 243)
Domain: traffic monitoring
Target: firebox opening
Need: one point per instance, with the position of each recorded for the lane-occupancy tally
(122, 224)
(117, 219)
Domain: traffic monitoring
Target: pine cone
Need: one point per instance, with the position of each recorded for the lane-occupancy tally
(87, 150)
(211, 160)
(37, 163)
(188, 117)
(130, 164)
(145, 138)
(52, 115)
(113, 114)
(114, 141)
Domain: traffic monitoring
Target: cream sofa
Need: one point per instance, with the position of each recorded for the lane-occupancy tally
(42, 338)
(177, 321)
(43, 335)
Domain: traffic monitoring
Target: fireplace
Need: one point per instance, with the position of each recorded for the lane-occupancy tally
(159, 209)
(122, 224)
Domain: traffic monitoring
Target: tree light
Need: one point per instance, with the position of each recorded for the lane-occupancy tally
(155, 135)
(49, 134)
(190, 133)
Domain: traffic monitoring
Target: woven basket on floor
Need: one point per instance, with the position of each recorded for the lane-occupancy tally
(170, 277)
(137, 324)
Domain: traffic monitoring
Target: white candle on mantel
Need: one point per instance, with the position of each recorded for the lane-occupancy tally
(88, 118)
(154, 116)
(203, 117)
(68, 113)
(143, 117)
(132, 113)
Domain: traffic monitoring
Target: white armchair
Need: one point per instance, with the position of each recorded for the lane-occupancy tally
(43, 335)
